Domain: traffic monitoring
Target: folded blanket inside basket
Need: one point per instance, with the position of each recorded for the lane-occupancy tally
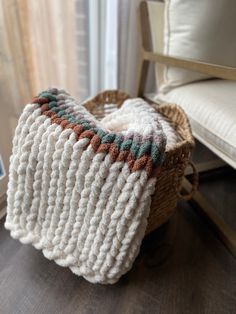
(80, 189)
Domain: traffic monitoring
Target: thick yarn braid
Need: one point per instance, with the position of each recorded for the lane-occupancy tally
(80, 189)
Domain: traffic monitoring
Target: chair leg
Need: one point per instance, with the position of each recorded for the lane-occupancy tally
(224, 232)
(3, 205)
(207, 166)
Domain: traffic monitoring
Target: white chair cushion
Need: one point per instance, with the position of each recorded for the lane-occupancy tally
(201, 30)
(211, 107)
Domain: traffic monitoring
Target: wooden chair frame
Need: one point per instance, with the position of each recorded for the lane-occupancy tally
(225, 233)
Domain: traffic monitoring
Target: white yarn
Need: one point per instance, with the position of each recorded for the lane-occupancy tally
(131, 113)
(80, 207)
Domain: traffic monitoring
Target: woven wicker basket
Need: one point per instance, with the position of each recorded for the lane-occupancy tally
(168, 184)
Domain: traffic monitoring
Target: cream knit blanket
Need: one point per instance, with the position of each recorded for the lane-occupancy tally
(79, 189)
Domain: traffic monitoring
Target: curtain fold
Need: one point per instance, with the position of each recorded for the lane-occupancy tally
(128, 45)
(77, 44)
(51, 44)
(83, 46)
(43, 43)
(103, 44)
(14, 76)
(129, 49)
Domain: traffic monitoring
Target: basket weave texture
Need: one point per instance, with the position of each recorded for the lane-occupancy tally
(169, 181)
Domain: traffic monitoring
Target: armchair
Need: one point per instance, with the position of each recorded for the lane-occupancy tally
(201, 100)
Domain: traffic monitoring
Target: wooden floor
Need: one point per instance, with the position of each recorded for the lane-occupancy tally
(182, 268)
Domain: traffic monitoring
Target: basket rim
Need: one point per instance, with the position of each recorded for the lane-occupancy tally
(174, 112)
(171, 111)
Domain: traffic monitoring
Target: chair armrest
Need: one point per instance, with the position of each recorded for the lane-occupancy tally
(220, 71)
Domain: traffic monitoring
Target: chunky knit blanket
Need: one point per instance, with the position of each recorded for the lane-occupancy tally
(80, 189)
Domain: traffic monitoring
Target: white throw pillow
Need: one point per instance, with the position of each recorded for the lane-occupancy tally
(200, 30)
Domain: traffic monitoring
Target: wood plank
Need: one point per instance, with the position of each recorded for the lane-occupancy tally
(225, 233)
(145, 43)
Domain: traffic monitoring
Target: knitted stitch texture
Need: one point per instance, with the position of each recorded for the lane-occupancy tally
(79, 189)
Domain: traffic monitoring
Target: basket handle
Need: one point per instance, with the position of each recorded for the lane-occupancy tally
(195, 178)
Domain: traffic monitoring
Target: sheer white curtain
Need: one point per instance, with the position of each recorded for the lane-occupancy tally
(114, 44)
(84, 46)
(128, 45)
(128, 52)
(70, 44)
(81, 45)
(43, 43)
(103, 44)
